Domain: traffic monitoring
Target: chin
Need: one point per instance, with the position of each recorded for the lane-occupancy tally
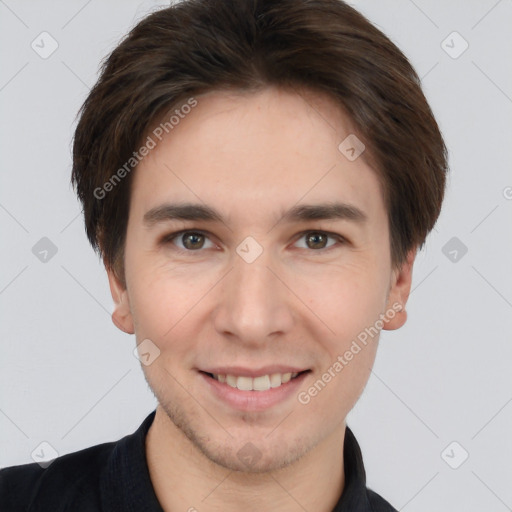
(244, 449)
(253, 457)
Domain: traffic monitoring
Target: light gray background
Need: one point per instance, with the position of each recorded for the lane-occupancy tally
(68, 376)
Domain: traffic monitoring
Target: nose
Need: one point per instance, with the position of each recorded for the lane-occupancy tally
(255, 304)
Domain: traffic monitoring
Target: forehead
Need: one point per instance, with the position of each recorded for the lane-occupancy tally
(256, 154)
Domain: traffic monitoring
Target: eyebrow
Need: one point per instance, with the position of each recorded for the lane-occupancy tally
(200, 212)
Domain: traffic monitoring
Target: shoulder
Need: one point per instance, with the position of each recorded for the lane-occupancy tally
(377, 503)
(70, 482)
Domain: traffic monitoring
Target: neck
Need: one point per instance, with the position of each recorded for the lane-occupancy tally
(185, 479)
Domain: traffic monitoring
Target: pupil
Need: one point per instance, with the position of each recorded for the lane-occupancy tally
(315, 237)
(193, 238)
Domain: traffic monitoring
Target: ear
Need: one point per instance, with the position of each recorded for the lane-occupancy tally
(122, 315)
(399, 293)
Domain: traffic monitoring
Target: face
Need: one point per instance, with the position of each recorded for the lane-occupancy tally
(278, 269)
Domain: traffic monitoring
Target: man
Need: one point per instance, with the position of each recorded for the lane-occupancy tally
(257, 177)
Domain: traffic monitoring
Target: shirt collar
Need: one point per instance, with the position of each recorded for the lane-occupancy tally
(126, 485)
(354, 497)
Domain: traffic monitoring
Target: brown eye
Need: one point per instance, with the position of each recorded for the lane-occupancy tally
(319, 241)
(192, 241)
(316, 240)
(188, 241)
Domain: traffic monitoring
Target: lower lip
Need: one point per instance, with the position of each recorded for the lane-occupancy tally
(254, 400)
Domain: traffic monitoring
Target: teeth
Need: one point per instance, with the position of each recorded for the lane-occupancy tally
(244, 383)
(230, 380)
(262, 383)
(275, 380)
(286, 378)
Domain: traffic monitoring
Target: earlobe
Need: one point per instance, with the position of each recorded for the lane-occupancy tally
(396, 315)
(122, 315)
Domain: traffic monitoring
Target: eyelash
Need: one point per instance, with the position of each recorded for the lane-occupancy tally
(173, 236)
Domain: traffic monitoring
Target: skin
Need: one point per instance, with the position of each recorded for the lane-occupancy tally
(252, 157)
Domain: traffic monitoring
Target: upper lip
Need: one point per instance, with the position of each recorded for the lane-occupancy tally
(240, 371)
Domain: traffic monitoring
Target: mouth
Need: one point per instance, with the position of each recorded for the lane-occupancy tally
(253, 390)
(260, 383)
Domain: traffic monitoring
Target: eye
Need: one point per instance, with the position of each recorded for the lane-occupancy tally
(317, 240)
(194, 241)
(190, 240)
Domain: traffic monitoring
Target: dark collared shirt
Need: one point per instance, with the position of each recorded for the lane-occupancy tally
(114, 477)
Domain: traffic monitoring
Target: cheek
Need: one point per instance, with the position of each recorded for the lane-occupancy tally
(336, 389)
(347, 298)
(165, 304)
(348, 302)
(156, 303)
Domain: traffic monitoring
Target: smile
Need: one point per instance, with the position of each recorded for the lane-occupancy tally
(262, 383)
(253, 391)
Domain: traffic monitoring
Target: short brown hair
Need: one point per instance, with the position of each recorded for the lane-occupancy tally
(197, 46)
